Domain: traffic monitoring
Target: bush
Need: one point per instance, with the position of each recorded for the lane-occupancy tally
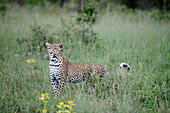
(39, 36)
(160, 15)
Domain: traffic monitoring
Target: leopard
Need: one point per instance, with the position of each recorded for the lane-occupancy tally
(61, 70)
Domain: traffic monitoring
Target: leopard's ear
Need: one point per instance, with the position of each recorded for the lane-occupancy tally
(47, 44)
(60, 45)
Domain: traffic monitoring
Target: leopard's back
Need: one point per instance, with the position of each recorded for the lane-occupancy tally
(77, 72)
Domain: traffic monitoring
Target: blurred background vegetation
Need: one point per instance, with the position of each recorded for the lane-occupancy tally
(161, 7)
(133, 4)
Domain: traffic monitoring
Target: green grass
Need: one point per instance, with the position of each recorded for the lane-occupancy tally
(134, 38)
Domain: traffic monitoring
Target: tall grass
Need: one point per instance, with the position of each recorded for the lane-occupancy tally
(122, 37)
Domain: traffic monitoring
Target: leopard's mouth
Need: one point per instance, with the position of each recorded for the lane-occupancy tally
(52, 55)
(54, 60)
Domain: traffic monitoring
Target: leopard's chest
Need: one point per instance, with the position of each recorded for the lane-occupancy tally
(55, 67)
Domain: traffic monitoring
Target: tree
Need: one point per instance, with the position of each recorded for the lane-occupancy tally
(62, 3)
(87, 15)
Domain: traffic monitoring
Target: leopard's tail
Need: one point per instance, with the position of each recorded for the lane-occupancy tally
(125, 65)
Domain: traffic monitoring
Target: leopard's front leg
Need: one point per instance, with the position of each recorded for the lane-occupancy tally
(58, 83)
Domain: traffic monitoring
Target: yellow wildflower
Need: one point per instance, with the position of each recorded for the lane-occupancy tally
(47, 95)
(59, 111)
(28, 61)
(66, 111)
(60, 105)
(32, 60)
(45, 101)
(65, 105)
(42, 97)
(44, 111)
(71, 103)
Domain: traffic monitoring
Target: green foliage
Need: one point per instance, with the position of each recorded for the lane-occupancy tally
(3, 9)
(86, 18)
(69, 31)
(38, 37)
(145, 4)
(86, 13)
(160, 15)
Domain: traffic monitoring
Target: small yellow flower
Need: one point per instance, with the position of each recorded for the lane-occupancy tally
(45, 101)
(28, 61)
(71, 103)
(65, 105)
(44, 111)
(42, 98)
(32, 60)
(59, 111)
(66, 111)
(47, 95)
(61, 103)
(59, 106)
(42, 95)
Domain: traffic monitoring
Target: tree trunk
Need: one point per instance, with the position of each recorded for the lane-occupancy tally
(21, 2)
(62, 3)
(90, 29)
(81, 22)
(90, 25)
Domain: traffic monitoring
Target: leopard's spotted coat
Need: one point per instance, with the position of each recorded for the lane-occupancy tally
(61, 70)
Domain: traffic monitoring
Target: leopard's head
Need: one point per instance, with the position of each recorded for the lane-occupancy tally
(54, 50)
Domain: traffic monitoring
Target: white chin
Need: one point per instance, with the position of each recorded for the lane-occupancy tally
(50, 56)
